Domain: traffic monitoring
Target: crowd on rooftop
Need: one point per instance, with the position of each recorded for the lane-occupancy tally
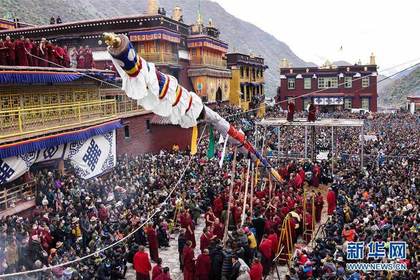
(75, 217)
(27, 52)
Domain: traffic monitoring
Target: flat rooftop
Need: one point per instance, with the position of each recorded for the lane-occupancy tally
(304, 122)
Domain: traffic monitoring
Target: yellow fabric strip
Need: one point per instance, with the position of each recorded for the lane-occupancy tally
(194, 139)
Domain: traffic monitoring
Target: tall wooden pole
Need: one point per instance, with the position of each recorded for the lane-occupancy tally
(251, 199)
(232, 183)
(246, 193)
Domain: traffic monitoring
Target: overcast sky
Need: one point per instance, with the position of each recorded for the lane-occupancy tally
(315, 30)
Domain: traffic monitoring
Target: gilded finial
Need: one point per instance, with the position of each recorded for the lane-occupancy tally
(112, 40)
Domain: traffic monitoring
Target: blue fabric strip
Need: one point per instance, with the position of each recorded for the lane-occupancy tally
(36, 78)
(36, 145)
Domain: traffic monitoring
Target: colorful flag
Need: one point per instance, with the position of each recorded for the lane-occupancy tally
(210, 150)
(194, 139)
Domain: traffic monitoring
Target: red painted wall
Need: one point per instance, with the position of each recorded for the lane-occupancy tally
(142, 140)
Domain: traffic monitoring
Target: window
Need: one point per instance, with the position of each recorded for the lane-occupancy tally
(328, 82)
(126, 131)
(348, 103)
(348, 82)
(365, 103)
(242, 71)
(307, 83)
(365, 81)
(148, 125)
(193, 52)
(291, 83)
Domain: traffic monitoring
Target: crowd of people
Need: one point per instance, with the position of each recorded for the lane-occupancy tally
(26, 52)
(74, 217)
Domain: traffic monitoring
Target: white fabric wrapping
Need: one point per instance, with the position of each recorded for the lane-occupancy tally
(12, 168)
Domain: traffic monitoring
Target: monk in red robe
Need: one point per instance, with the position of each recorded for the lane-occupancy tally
(209, 217)
(256, 271)
(59, 53)
(28, 46)
(157, 269)
(81, 58)
(275, 241)
(188, 260)
(21, 56)
(51, 55)
(88, 58)
(266, 250)
(153, 242)
(290, 111)
(312, 113)
(205, 239)
(203, 266)
(43, 53)
(11, 51)
(218, 206)
(187, 223)
(35, 54)
(141, 264)
(218, 229)
(331, 201)
(319, 204)
(66, 57)
(3, 53)
(316, 175)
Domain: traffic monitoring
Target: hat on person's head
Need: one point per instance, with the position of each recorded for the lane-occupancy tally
(74, 220)
(246, 230)
(93, 219)
(58, 244)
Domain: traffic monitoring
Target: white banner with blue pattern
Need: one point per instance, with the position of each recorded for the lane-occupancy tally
(89, 157)
(13, 167)
(93, 156)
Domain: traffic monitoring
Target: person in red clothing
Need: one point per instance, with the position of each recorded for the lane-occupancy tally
(331, 201)
(43, 53)
(187, 223)
(88, 58)
(266, 250)
(10, 51)
(203, 266)
(157, 269)
(3, 53)
(205, 239)
(319, 204)
(210, 217)
(165, 275)
(142, 264)
(290, 111)
(59, 53)
(275, 241)
(218, 206)
(256, 271)
(349, 234)
(312, 113)
(153, 242)
(218, 229)
(316, 175)
(21, 55)
(81, 58)
(188, 260)
(102, 213)
(52, 57)
(66, 57)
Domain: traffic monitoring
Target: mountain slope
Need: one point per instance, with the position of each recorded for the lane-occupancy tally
(396, 92)
(241, 35)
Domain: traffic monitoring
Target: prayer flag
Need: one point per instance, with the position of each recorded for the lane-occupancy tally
(210, 151)
(194, 139)
(224, 152)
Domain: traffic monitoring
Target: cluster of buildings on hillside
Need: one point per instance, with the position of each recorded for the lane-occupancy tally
(43, 108)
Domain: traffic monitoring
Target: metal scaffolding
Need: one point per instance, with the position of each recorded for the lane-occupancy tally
(282, 124)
